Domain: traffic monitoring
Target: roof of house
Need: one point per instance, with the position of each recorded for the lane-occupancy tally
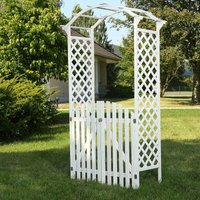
(100, 50)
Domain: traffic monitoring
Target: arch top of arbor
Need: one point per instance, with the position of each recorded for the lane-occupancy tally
(133, 12)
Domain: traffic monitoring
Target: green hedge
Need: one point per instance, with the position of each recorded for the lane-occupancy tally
(120, 92)
(24, 106)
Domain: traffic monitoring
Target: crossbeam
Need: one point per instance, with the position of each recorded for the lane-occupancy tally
(89, 16)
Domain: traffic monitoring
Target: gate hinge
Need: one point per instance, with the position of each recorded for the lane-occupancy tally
(135, 176)
(71, 168)
(134, 121)
(100, 120)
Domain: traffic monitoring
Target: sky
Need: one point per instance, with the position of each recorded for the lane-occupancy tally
(113, 35)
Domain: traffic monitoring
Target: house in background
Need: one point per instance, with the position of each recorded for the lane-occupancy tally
(103, 57)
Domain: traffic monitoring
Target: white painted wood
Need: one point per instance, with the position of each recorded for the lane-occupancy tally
(148, 105)
(102, 142)
(158, 27)
(120, 127)
(114, 139)
(78, 144)
(91, 134)
(127, 121)
(134, 13)
(88, 140)
(96, 76)
(72, 145)
(81, 70)
(99, 140)
(83, 143)
(134, 153)
(93, 142)
(92, 68)
(109, 139)
(135, 164)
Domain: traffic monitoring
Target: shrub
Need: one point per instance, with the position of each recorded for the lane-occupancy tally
(23, 107)
(120, 92)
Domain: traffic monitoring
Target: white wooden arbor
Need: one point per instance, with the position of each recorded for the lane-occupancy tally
(108, 143)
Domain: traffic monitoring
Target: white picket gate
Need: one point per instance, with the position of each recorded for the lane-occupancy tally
(104, 146)
(107, 143)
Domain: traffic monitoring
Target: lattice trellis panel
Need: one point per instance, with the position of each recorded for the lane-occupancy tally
(147, 99)
(81, 71)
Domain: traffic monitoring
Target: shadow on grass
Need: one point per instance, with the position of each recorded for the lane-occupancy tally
(59, 124)
(47, 133)
(184, 101)
(61, 118)
(46, 174)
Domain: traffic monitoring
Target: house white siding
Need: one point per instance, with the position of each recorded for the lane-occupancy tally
(61, 88)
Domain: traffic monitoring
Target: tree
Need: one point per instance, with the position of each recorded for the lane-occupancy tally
(126, 77)
(32, 43)
(182, 28)
(172, 60)
(100, 34)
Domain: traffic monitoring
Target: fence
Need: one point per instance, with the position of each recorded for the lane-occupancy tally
(104, 144)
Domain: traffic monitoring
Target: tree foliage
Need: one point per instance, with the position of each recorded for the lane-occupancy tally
(32, 43)
(172, 61)
(126, 77)
(182, 29)
(24, 106)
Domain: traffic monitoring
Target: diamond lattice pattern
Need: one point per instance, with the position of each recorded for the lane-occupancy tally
(148, 99)
(82, 89)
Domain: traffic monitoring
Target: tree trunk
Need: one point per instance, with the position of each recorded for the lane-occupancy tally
(166, 84)
(198, 85)
(162, 91)
(196, 71)
(193, 88)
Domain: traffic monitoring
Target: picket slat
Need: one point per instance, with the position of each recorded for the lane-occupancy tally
(93, 143)
(88, 140)
(72, 145)
(127, 147)
(114, 138)
(99, 140)
(108, 142)
(120, 126)
(83, 140)
(102, 143)
(78, 143)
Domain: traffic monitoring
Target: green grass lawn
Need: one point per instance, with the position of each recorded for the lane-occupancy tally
(38, 167)
(166, 102)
